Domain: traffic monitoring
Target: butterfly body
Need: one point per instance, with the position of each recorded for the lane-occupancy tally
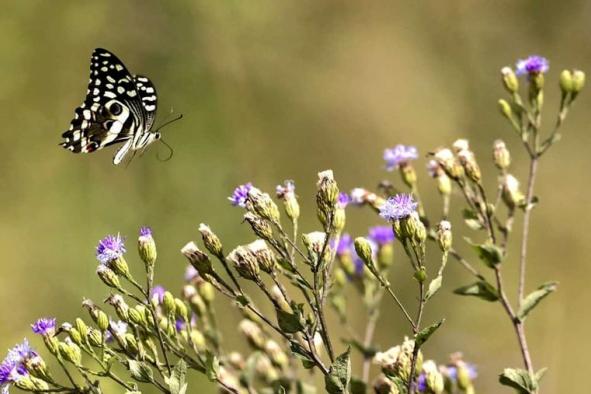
(119, 108)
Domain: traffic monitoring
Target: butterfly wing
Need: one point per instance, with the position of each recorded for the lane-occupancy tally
(113, 110)
(147, 92)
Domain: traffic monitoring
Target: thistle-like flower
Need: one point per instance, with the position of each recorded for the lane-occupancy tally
(110, 248)
(398, 207)
(13, 368)
(147, 247)
(532, 65)
(240, 195)
(44, 326)
(399, 155)
(286, 192)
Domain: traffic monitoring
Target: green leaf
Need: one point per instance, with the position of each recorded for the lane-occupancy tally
(534, 298)
(212, 366)
(490, 254)
(140, 371)
(423, 335)
(242, 300)
(300, 352)
(177, 380)
(358, 386)
(518, 379)
(471, 219)
(290, 323)
(539, 375)
(480, 289)
(339, 375)
(433, 287)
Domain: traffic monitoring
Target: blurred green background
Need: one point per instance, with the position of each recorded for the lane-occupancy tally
(280, 90)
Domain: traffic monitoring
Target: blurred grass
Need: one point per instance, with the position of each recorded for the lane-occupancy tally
(282, 90)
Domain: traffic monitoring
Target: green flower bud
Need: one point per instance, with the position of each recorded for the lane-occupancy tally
(75, 336)
(137, 317)
(131, 343)
(412, 227)
(168, 303)
(198, 340)
(181, 309)
(147, 247)
(446, 159)
(95, 338)
(70, 351)
(444, 235)
(51, 343)
(290, 202)
(120, 267)
(463, 376)
(501, 155)
(364, 251)
(420, 275)
(102, 320)
(433, 377)
(211, 241)
(578, 81)
(245, 263)
(385, 256)
(328, 190)
(510, 80)
(276, 354)
(340, 278)
(108, 276)
(121, 307)
(81, 327)
(262, 228)
(253, 333)
(26, 383)
(340, 219)
(197, 258)
(510, 192)
(408, 174)
(197, 305)
(566, 82)
(471, 168)
(206, 291)
(263, 205)
(505, 109)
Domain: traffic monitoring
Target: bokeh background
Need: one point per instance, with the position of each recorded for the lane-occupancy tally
(280, 90)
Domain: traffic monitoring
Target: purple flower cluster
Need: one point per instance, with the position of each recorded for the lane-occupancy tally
(398, 155)
(146, 232)
(158, 294)
(398, 207)
(532, 65)
(343, 200)
(381, 235)
(110, 248)
(285, 191)
(13, 366)
(44, 326)
(240, 195)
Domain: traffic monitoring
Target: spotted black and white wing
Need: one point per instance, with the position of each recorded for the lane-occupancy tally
(118, 108)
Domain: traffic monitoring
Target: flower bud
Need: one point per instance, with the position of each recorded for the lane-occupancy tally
(505, 109)
(263, 205)
(199, 260)
(261, 227)
(444, 235)
(168, 303)
(206, 291)
(412, 227)
(314, 242)
(81, 327)
(120, 267)
(181, 309)
(147, 247)
(74, 334)
(340, 278)
(70, 351)
(443, 181)
(264, 255)
(433, 378)
(265, 370)
(29, 383)
(290, 202)
(279, 300)
(245, 263)
(197, 305)
(121, 307)
(253, 334)
(276, 354)
(328, 190)
(211, 241)
(408, 174)
(463, 378)
(510, 80)
(471, 168)
(37, 367)
(102, 320)
(131, 343)
(364, 251)
(385, 256)
(501, 155)
(95, 338)
(448, 162)
(198, 340)
(460, 145)
(136, 317)
(566, 82)
(511, 194)
(578, 81)
(51, 343)
(108, 276)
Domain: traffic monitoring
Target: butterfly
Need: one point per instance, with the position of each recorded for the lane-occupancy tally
(119, 108)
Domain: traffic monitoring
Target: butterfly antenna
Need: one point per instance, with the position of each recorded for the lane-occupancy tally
(178, 117)
(169, 149)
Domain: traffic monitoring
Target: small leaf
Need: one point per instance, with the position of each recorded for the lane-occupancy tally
(212, 366)
(242, 300)
(490, 254)
(433, 287)
(534, 298)
(140, 371)
(300, 352)
(423, 335)
(339, 375)
(480, 289)
(539, 375)
(471, 219)
(177, 381)
(358, 386)
(290, 322)
(518, 379)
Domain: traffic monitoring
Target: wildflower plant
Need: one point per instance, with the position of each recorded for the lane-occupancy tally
(145, 335)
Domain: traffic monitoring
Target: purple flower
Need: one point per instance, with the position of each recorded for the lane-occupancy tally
(345, 245)
(381, 235)
(158, 293)
(422, 383)
(13, 367)
(146, 231)
(532, 65)
(190, 273)
(398, 207)
(44, 326)
(398, 155)
(285, 191)
(110, 248)
(240, 195)
(343, 200)
(119, 327)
